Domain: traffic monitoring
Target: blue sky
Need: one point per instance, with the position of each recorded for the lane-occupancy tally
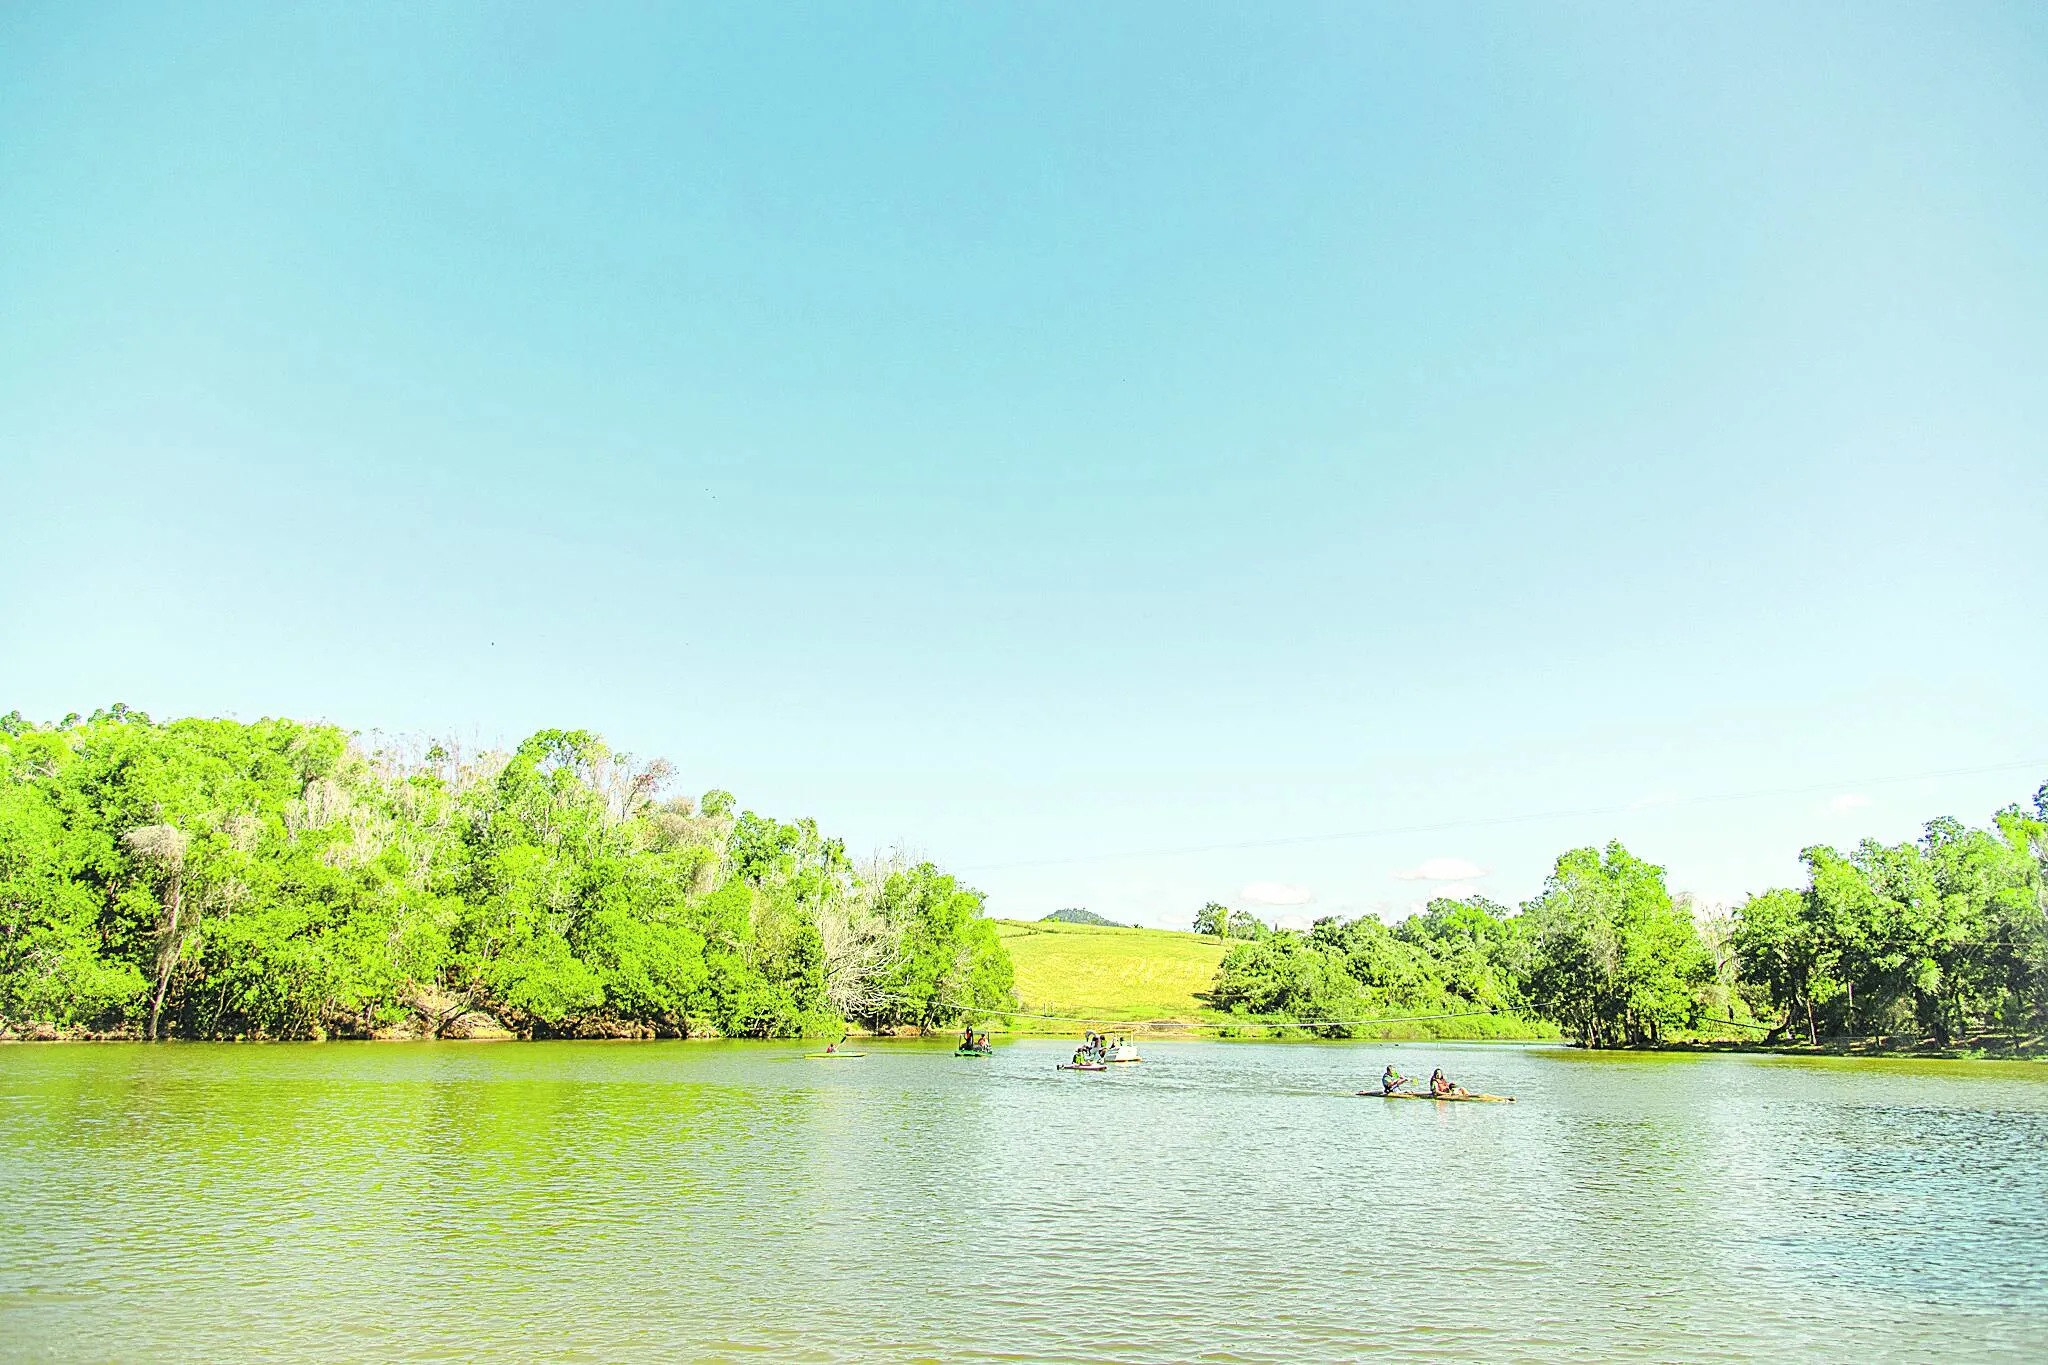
(1044, 435)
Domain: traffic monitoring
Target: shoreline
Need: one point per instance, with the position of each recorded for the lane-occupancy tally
(2029, 1050)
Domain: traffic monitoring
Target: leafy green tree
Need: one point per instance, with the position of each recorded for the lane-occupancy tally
(1614, 962)
(1930, 936)
(1476, 948)
(51, 964)
(1244, 924)
(1287, 977)
(1783, 957)
(950, 964)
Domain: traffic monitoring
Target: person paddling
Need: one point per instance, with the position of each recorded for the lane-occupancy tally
(1392, 1080)
(1441, 1087)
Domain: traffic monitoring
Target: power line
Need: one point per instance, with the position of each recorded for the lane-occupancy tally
(1488, 822)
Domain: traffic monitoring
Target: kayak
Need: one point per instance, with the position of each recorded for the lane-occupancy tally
(973, 1052)
(1440, 1099)
(1083, 1066)
(832, 1056)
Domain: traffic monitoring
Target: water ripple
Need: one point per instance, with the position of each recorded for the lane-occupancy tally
(1225, 1203)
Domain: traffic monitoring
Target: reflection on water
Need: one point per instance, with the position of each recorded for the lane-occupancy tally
(1220, 1202)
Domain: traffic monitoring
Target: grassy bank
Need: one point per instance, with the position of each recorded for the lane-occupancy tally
(1108, 975)
(1152, 977)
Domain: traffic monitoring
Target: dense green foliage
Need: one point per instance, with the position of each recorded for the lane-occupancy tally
(1611, 959)
(1458, 957)
(1938, 939)
(208, 878)
(1220, 921)
(1943, 936)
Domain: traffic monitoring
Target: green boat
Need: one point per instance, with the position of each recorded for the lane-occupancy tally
(974, 1052)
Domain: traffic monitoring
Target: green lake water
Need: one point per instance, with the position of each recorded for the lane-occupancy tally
(1218, 1202)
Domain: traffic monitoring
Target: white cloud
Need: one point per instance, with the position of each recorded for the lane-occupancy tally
(1850, 801)
(1276, 893)
(1443, 870)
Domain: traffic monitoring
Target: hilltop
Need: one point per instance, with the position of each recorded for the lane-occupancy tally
(1075, 915)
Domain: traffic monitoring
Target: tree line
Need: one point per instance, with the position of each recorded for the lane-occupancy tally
(215, 879)
(1942, 938)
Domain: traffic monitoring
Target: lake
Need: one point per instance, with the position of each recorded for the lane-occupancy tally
(1218, 1202)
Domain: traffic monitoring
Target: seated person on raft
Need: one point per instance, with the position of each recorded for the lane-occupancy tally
(1440, 1086)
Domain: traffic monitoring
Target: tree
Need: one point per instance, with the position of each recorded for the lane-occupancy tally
(161, 849)
(1244, 924)
(1782, 957)
(1615, 963)
(950, 965)
(1478, 951)
(1285, 977)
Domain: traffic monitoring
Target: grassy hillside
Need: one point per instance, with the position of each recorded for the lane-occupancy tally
(1117, 975)
(1108, 974)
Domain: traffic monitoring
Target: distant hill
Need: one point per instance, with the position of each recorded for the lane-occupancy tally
(1078, 916)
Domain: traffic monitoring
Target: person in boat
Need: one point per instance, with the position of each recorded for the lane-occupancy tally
(1392, 1080)
(1441, 1087)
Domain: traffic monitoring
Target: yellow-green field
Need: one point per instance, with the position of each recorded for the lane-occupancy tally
(1111, 975)
(1093, 973)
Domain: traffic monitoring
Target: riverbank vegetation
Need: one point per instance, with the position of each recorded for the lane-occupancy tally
(1454, 971)
(219, 879)
(1936, 942)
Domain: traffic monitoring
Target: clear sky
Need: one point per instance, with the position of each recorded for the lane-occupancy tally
(1044, 435)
